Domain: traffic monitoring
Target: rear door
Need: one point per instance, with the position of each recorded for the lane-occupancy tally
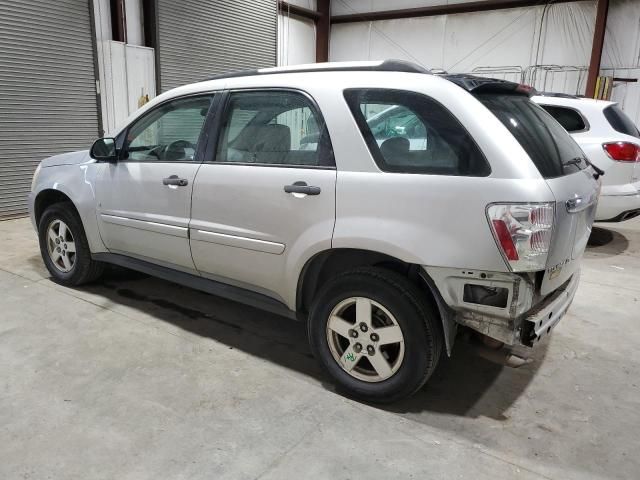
(561, 162)
(265, 198)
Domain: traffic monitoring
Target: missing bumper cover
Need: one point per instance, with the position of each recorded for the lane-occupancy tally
(485, 295)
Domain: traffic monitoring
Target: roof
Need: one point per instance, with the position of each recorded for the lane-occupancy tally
(572, 101)
(558, 95)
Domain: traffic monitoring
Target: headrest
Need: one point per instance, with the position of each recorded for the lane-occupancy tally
(395, 146)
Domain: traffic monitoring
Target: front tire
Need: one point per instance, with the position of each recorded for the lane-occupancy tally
(375, 334)
(64, 247)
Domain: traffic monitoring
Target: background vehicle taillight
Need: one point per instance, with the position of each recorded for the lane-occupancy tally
(523, 233)
(622, 151)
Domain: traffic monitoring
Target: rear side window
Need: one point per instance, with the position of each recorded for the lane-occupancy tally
(549, 146)
(620, 122)
(569, 118)
(411, 133)
(274, 127)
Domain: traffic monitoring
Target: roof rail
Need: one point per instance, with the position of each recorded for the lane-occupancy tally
(379, 66)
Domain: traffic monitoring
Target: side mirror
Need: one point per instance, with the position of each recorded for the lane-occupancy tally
(104, 150)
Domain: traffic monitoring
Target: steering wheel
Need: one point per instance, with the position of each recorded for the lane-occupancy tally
(176, 150)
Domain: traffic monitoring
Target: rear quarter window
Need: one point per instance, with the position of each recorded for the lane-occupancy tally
(549, 146)
(570, 119)
(408, 132)
(620, 122)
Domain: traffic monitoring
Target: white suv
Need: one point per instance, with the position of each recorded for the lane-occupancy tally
(611, 141)
(387, 207)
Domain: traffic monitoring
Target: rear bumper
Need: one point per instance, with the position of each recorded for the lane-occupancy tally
(545, 316)
(617, 208)
(520, 320)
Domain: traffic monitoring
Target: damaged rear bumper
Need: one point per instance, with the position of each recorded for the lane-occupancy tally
(505, 307)
(545, 316)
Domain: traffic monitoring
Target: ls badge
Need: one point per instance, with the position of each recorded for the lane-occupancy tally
(555, 270)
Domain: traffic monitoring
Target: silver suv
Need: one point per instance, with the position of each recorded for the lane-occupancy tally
(388, 208)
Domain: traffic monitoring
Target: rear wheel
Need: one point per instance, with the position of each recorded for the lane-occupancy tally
(376, 335)
(64, 247)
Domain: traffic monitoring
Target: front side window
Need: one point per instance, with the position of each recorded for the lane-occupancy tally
(273, 128)
(170, 132)
(411, 133)
(570, 119)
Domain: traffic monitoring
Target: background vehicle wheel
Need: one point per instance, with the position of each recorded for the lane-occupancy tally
(375, 333)
(64, 247)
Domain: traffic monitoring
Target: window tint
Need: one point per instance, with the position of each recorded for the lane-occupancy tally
(411, 133)
(549, 146)
(570, 119)
(620, 122)
(273, 128)
(170, 132)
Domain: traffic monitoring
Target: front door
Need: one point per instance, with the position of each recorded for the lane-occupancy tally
(144, 200)
(266, 200)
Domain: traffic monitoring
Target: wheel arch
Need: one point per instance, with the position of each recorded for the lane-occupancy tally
(328, 263)
(47, 197)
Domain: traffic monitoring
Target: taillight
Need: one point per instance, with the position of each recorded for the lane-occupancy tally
(622, 151)
(523, 233)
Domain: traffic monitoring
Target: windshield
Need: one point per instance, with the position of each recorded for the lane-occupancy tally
(550, 147)
(620, 122)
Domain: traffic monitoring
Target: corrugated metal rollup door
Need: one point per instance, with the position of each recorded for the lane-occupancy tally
(200, 38)
(47, 90)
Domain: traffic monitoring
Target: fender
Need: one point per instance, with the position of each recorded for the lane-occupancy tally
(76, 180)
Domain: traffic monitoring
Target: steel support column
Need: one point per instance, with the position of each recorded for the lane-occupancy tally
(596, 49)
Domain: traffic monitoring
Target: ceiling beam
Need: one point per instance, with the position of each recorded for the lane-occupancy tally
(477, 6)
(289, 8)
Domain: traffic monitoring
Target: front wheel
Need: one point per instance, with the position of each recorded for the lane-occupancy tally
(64, 247)
(375, 334)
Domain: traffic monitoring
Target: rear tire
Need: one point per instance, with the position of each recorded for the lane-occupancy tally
(64, 247)
(391, 356)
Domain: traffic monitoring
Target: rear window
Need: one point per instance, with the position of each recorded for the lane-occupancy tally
(620, 122)
(549, 146)
(407, 132)
(569, 118)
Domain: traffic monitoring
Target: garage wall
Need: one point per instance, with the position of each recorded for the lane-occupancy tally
(296, 40)
(296, 36)
(48, 93)
(201, 38)
(621, 54)
(465, 41)
(548, 47)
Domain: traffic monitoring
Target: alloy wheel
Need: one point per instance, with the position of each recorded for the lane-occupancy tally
(365, 339)
(61, 246)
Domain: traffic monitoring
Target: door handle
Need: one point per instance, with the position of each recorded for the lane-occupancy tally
(302, 187)
(175, 180)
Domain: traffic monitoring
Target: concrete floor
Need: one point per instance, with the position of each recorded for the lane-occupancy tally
(137, 378)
